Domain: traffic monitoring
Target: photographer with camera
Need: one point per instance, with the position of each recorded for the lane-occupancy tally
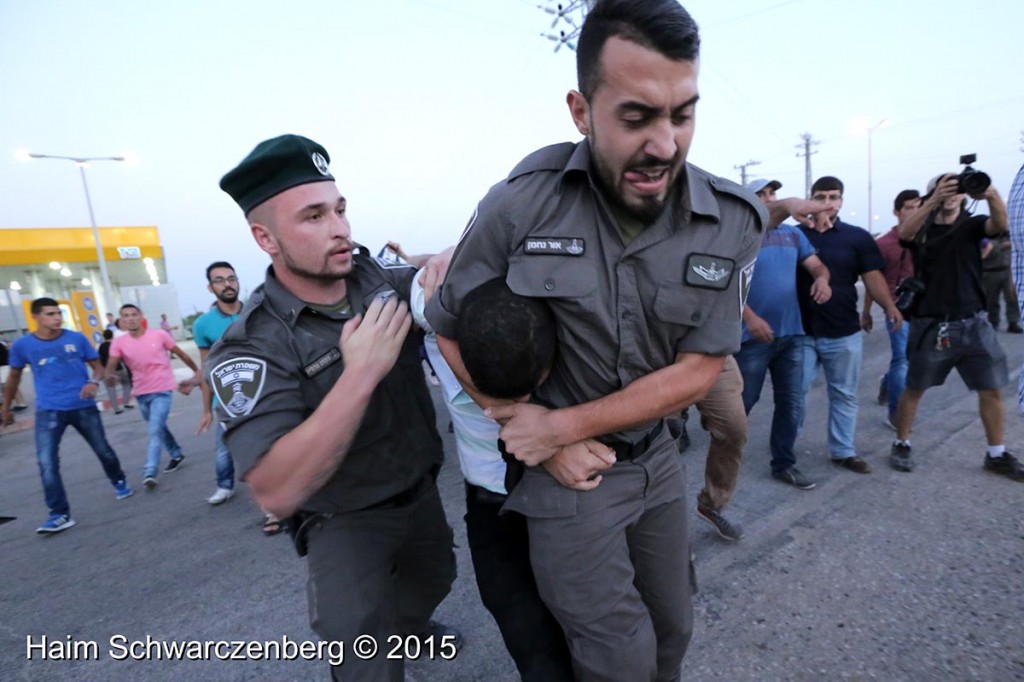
(949, 325)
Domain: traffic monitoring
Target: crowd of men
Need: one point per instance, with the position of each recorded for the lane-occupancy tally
(599, 290)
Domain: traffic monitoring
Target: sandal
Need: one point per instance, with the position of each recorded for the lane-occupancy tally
(272, 525)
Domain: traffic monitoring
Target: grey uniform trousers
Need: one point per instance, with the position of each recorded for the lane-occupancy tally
(378, 572)
(613, 566)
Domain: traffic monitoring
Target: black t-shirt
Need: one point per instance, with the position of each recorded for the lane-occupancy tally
(947, 258)
(848, 251)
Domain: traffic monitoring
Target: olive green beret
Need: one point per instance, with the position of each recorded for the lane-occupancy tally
(274, 166)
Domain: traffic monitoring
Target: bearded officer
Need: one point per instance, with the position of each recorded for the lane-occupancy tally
(337, 428)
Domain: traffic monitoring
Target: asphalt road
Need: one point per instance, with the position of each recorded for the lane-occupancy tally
(889, 576)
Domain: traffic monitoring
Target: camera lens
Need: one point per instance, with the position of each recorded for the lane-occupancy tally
(973, 183)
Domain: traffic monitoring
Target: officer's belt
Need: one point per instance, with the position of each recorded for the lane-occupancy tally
(625, 452)
(405, 497)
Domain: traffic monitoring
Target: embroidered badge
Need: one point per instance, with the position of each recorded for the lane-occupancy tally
(322, 363)
(554, 246)
(321, 163)
(707, 271)
(238, 384)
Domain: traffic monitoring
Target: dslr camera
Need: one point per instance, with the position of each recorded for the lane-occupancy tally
(908, 293)
(972, 182)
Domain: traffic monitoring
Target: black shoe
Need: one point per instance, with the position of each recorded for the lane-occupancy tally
(440, 631)
(174, 464)
(1007, 465)
(855, 464)
(722, 526)
(793, 477)
(1015, 329)
(900, 459)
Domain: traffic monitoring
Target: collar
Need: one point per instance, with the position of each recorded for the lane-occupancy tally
(290, 307)
(697, 196)
(223, 314)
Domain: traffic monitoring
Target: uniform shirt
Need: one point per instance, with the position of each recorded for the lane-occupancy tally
(622, 312)
(773, 288)
(848, 252)
(273, 367)
(148, 359)
(947, 258)
(58, 368)
(899, 262)
(210, 326)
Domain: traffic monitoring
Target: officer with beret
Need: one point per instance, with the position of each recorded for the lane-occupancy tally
(328, 415)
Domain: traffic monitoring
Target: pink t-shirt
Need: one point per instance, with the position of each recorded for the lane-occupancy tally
(148, 359)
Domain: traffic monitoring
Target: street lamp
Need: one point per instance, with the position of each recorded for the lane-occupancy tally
(871, 215)
(82, 162)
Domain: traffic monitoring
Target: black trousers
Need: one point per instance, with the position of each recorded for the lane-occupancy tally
(500, 548)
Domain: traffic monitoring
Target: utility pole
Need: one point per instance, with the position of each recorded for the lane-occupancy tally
(742, 168)
(807, 153)
(570, 15)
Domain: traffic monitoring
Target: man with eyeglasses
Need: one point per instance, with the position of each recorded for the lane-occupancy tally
(207, 329)
(833, 333)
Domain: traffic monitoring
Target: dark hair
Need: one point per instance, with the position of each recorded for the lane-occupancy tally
(108, 334)
(507, 341)
(40, 303)
(826, 183)
(905, 196)
(218, 264)
(660, 25)
(129, 305)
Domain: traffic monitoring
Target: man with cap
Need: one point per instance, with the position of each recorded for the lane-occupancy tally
(328, 415)
(949, 325)
(773, 333)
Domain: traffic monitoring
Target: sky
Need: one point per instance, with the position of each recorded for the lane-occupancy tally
(424, 104)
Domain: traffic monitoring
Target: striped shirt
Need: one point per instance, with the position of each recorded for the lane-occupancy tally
(1015, 208)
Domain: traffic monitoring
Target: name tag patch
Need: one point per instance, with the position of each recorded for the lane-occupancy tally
(707, 271)
(554, 246)
(321, 363)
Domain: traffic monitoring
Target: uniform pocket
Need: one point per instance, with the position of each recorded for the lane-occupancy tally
(677, 303)
(542, 276)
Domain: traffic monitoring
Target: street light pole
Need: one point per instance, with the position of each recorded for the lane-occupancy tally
(871, 215)
(82, 162)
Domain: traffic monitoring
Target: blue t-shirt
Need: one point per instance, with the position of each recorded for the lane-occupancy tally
(773, 288)
(848, 252)
(58, 368)
(210, 326)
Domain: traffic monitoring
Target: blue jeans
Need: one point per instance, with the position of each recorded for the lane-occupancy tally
(155, 407)
(841, 360)
(222, 463)
(784, 358)
(50, 425)
(895, 380)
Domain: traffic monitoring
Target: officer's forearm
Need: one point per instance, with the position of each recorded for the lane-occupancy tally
(301, 462)
(659, 394)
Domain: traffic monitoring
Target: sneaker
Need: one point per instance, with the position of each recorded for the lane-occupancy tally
(855, 464)
(55, 524)
(21, 407)
(221, 496)
(899, 457)
(149, 482)
(174, 464)
(129, 406)
(727, 530)
(890, 421)
(1015, 329)
(439, 631)
(793, 477)
(883, 391)
(1007, 465)
(119, 410)
(122, 490)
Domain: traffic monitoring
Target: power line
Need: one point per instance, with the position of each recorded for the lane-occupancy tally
(742, 168)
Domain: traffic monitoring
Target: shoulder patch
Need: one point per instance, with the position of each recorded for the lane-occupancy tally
(708, 271)
(238, 383)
